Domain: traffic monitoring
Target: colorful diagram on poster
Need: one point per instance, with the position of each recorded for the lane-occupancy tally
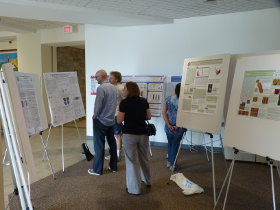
(9, 56)
(260, 94)
(202, 86)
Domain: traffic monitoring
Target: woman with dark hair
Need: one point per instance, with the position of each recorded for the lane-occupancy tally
(174, 134)
(134, 110)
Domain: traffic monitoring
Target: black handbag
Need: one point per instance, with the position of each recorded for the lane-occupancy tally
(151, 129)
(87, 153)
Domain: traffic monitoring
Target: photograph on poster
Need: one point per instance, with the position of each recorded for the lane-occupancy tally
(201, 88)
(260, 94)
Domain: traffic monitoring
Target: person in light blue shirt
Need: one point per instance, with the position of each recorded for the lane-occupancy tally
(174, 134)
(103, 124)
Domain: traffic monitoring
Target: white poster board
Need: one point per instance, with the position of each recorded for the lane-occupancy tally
(20, 123)
(151, 88)
(32, 102)
(253, 119)
(64, 97)
(202, 93)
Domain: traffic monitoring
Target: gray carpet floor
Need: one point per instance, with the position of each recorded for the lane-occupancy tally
(75, 189)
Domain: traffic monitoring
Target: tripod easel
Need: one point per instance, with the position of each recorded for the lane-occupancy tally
(229, 175)
(45, 144)
(212, 161)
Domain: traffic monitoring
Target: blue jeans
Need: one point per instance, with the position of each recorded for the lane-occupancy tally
(174, 139)
(100, 132)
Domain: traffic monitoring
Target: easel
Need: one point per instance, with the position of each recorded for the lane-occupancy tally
(212, 162)
(46, 152)
(229, 175)
(45, 145)
(11, 136)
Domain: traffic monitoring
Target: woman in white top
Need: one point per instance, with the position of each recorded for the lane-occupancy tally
(115, 79)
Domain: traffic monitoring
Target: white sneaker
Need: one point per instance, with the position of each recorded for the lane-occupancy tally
(168, 164)
(111, 170)
(91, 172)
(108, 157)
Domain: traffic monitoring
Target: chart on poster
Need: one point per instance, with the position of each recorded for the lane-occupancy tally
(151, 88)
(64, 97)
(202, 93)
(254, 109)
(32, 102)
(260, 94)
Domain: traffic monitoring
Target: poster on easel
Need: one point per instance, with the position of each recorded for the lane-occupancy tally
(20, 122)
(202, 93)
(64, 97)
(151, 88)
(254, 110)
(31, 102)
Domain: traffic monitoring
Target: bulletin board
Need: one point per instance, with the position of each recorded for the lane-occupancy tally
(152, 88)
(202, 93)
(64, 97)
(32, 102)
(253, 119)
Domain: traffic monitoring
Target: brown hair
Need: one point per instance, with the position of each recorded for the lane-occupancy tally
(132, 89)
(117, 75)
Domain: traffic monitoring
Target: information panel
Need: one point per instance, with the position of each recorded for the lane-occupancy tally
(254, 109)
(202, 93)
(151, 88)
(32, 102)
(64, 97)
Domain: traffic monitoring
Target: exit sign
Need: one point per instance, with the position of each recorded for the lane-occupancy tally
(68, 29)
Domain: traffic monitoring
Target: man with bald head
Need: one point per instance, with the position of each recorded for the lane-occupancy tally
(103, 123)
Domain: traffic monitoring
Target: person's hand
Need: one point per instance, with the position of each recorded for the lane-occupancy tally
(171, 128)
(94, 117)
(175, 128)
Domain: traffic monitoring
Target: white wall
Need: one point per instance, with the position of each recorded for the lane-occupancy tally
(29, 53)
(161, 49)
(56, 36)
(5, 45)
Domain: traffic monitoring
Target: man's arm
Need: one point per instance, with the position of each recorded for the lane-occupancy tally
(98, 105)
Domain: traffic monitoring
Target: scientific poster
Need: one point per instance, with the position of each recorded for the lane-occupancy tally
(64, 97)
(94, 85)
(260, 94)
(31, 102)
(202, 86)
(151, 88)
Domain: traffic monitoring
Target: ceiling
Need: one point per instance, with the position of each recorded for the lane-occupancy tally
(31, 15)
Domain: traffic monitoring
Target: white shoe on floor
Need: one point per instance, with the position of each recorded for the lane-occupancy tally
(91, 172)
(168, 164)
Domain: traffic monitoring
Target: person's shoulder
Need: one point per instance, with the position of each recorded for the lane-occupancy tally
(168, 98)
(143, 100)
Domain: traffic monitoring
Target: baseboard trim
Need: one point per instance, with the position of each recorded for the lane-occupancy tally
(184, 146)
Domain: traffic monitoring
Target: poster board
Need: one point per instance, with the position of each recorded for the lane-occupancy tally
(64, 97)
(152, 88)
(20, 121)
(202, 93)
(32, 102)
(253, 119)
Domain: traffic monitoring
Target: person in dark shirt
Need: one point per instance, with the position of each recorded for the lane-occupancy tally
(134, 110)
